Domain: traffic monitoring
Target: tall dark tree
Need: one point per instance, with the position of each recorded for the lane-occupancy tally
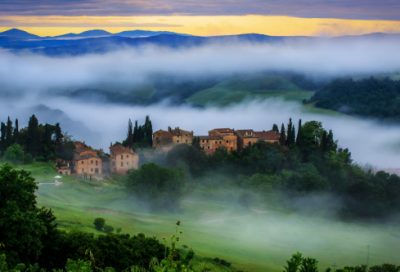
(59, 139)
(330, 143)
(129, 134)
(47, 147)
(324, 143)
(16, 132)
(32, 143)
(282, 137)
(136, 133)
(299, 135)
(275, 128)
(9, 131)
(148, 131)
(293, 136)
(289, 133)
(3, 138)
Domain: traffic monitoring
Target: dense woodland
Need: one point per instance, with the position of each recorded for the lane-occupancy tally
(307, 163)
(35, 142)
(367, 97)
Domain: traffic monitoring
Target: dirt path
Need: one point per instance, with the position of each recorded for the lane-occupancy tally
(56, 183)
(104, 211)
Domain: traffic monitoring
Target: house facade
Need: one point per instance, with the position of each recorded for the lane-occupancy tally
(217, 138)
(122, 159)
(85, 161)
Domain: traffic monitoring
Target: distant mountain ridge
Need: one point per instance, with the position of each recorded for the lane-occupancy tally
(20, 34)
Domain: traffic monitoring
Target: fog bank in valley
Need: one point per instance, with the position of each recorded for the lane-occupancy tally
(98, 125)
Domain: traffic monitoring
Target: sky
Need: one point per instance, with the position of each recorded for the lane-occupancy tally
(204, 17)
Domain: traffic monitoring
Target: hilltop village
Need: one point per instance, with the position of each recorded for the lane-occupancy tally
(89, 161)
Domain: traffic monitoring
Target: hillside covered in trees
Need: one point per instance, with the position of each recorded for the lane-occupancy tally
(369, 97)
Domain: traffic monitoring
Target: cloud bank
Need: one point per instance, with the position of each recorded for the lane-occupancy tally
(346, 9)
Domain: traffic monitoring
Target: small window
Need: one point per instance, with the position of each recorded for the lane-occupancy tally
(207, 141)
(82, 162)
(231, 148)
(122, 164)
(186, 135)
(127, 156)
(91, 169)
(91, 161)
(208, 147)
(122, 157)
(177, 141)
(203, 141)
(96, 163)
(227, 141)
(249, 143)
(127, 163)
(216, 142)
(220, 142)
(186, 140)
(83, 170)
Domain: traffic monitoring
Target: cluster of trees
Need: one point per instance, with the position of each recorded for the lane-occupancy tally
(42, 142)
(308, 164)
(29, 234)
(139, 136)
(367, 97)
(100, 224)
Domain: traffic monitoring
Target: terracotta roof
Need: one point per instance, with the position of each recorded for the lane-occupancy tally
(224, 130)
(84, 157)
(80, 150)
(119, 149)
(267, 135)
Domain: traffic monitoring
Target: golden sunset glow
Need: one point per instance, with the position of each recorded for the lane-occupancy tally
(202, 25)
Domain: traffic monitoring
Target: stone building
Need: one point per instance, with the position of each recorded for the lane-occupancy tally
(165, 140)
(85, 161)
(122, 159)
(248, 137)
(217, 138)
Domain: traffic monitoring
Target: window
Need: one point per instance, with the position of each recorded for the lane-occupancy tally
(177, 141)
(82, 162)
(227, 141)
(220, 142)
(91, 169)
(186, 135)
(208, 147)
(122, 164)
(207, 141)
(127, 156)
(249, 143)
(91, 161)
(83, 170)
(186, 140)
(96, 163)
(203, 141)
(127, 163)
(216, 142)
(122, 157)
(231, 148)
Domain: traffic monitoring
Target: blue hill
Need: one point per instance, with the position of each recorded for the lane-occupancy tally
(89, 33)
(19, 34)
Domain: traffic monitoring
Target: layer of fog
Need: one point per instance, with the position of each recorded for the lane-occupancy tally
(369, 141)
(28, 73)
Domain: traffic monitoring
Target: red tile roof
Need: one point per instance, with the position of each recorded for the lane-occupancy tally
(267, 135)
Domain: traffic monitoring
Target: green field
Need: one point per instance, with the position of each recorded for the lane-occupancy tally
(239, 89)
(259, 239)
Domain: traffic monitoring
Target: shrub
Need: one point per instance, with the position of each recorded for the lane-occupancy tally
(118, 230)
(14, 153)
(40, 159)
(108, 229)
(28, 159)
(99, 223)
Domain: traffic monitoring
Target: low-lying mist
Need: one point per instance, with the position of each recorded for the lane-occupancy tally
(28, 73)
(99, 124)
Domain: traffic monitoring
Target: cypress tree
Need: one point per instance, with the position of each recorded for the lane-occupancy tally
(58, 139)
(3, 138)
(129, 134)
(293, 136)
(275, 128)
(32, 141)
(289, 133)
(9, 131)
(299, 135)
(47, 139)
(136, 133)
(282, 137)
(149, 131)
(324, 143)
(16, 132)
(330, 144)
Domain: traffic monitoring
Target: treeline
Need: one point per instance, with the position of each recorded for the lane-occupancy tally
(306, 163)
(370, 97)
(138, 136)
(36, 141)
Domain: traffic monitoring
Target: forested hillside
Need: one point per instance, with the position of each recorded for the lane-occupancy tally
(370, 97)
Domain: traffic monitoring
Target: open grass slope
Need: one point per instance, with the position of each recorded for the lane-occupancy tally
(238, 89)
(256, 239)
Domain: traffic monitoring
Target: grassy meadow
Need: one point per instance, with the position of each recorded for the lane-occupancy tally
(261, 238)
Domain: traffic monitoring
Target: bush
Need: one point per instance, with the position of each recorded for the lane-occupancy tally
(108, 229)
(99, 223)
(40, 159)
(118, 230)
(28, 159)
(14, 153)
